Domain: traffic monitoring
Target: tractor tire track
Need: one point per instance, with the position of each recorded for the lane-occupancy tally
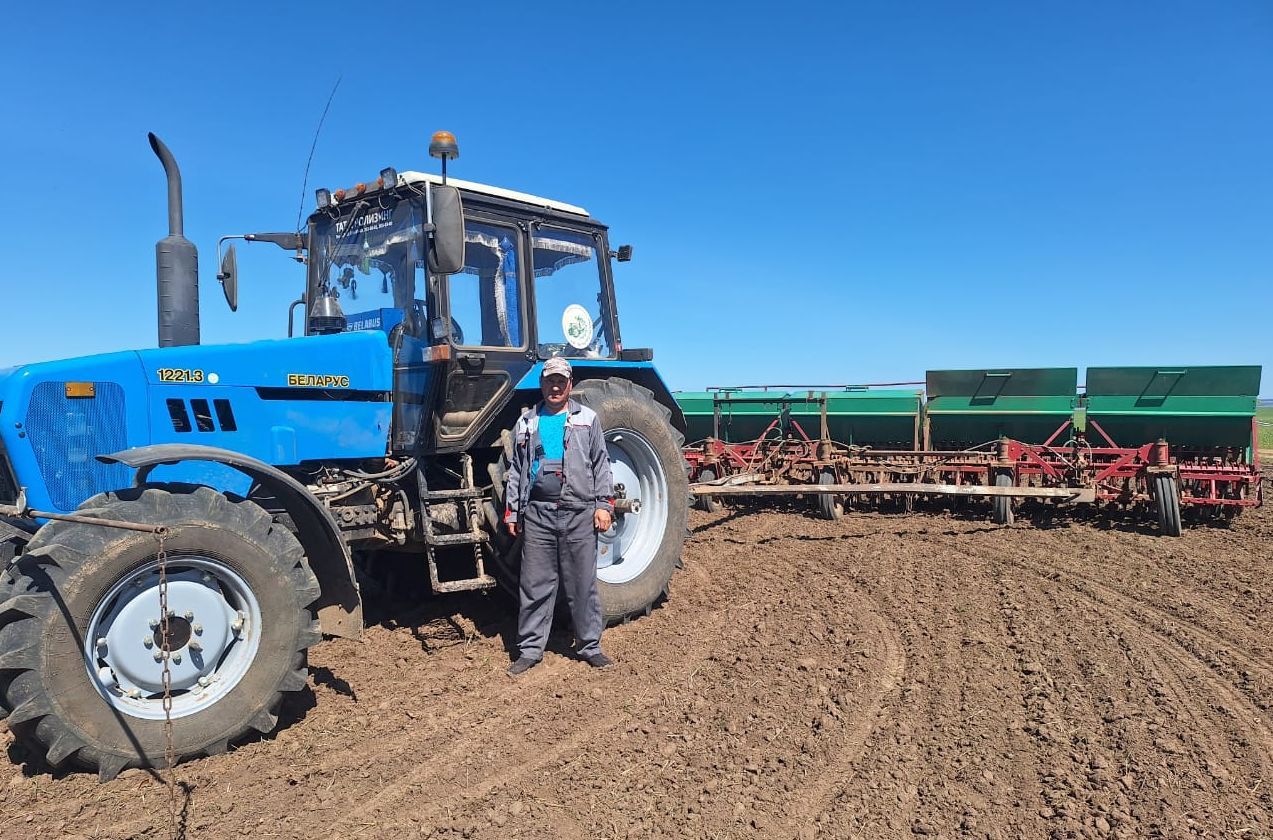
(1184, 632)
(819, 792)
(1188, 667)
(1157, 624)
(538, 683)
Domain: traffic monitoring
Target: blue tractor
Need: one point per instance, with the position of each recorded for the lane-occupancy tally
(251, 487)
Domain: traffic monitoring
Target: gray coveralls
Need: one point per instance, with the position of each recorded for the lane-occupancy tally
(559, 543)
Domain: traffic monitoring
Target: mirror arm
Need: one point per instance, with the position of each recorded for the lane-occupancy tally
(286, 241)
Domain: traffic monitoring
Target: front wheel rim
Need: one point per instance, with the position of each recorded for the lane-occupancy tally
(626, 550)
(214, 634)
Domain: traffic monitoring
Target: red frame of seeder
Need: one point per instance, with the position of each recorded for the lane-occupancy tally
(1116, 475)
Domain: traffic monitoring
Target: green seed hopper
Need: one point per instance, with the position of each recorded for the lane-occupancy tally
(1192, 408)
(883, 419)
(971, 407)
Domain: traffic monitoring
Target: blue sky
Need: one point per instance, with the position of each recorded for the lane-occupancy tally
(817, 193)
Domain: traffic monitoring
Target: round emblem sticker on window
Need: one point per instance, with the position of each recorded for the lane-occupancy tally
(576, 325)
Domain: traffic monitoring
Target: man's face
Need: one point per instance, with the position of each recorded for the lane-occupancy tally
(556, 389)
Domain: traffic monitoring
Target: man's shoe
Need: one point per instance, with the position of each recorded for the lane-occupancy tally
(521, 666)
(599, 660)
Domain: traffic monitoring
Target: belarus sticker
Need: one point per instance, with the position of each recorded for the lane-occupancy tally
(576, 325)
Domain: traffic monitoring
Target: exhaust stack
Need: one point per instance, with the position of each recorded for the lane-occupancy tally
(176, 265)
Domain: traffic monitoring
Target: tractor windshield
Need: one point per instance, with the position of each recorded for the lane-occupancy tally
(370, 257)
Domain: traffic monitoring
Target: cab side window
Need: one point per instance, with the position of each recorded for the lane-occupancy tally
(486, 306)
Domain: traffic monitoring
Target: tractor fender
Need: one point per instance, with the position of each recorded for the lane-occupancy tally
(339, 606)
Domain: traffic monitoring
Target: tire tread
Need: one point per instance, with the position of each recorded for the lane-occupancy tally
(60, 548)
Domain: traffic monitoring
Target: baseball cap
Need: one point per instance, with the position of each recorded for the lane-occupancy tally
(556, 366)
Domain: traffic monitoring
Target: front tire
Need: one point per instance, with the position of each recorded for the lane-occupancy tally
(77, 645)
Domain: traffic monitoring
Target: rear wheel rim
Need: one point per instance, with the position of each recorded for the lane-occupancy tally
(214, 631)
(628, 548)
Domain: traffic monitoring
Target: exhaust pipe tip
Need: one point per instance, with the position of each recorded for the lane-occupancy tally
(176, 264)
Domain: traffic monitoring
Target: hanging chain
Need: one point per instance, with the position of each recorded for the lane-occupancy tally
(165, 650)
(20, 510)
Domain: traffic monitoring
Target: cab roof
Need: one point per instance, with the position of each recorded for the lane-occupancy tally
(410, 177)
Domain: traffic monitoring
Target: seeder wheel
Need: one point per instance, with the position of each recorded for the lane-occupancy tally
(1001, 506)
(829, 506)
(1167, 497)
(708, 503)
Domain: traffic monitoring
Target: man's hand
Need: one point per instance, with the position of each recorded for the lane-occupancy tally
(512, 530)
(602, 520)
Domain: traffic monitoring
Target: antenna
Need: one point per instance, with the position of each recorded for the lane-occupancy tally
(305, 180)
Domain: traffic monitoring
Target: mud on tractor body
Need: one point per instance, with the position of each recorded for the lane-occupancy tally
(247, 483)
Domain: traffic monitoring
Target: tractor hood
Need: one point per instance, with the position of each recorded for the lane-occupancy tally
(283, 402)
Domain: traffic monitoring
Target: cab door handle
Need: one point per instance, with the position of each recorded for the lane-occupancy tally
(471, 363)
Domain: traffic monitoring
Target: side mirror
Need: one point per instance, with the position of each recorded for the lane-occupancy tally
(229, 277)
(447, 254)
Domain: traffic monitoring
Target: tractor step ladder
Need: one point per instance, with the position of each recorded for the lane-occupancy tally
(468, 498)
(463, 538)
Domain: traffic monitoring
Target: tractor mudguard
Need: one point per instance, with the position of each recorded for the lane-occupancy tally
(339, 607)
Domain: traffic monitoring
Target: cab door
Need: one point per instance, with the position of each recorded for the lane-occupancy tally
(573, 295)
(486, 325)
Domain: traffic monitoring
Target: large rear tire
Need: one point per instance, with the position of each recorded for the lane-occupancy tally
(636, 557)
(80, 682)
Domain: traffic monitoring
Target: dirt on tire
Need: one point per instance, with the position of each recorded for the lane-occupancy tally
(885, 675)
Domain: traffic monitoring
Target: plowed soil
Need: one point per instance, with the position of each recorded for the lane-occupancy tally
(882, 676)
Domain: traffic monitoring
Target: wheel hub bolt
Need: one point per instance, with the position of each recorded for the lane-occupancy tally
(237, 624)
(154, 624)
(101, 645)
(204, 682)
(195, 646)
(134, 693)
(106, 675)
(206, 577)
(188, 615)
(159, 656)
(148, 642)
(176, 658)
(197, 629)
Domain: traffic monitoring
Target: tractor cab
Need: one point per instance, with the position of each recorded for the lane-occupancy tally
(534, 281)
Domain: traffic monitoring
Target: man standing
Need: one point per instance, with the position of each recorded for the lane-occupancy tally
(560, 495)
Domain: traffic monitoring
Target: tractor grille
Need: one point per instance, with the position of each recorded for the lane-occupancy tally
(68, 433)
